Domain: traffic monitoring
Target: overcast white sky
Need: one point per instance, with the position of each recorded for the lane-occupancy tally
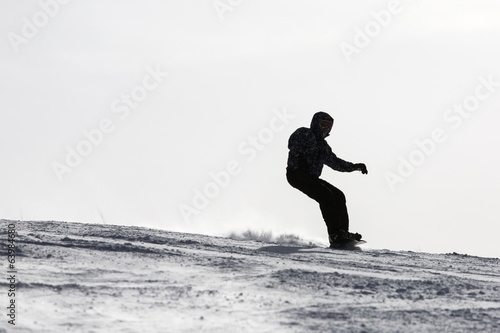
(232, 67)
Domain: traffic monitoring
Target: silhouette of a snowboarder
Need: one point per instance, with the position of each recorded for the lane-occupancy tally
(308, 153)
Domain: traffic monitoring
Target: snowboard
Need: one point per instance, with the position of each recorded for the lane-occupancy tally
(349, 245)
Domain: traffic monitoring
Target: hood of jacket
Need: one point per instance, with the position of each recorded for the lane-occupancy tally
(317, 118)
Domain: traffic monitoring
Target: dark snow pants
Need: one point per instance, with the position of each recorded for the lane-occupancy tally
(331, 200)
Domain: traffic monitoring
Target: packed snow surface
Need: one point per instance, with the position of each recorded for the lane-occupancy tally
(75, 277)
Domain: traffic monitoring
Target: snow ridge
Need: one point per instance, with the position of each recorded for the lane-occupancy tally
(107, 278)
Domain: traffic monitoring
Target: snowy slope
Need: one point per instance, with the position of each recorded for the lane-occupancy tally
(106, 278)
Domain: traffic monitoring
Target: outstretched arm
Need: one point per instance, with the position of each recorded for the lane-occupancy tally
(340, 165)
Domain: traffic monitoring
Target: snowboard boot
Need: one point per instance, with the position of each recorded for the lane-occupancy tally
(342, 236)
(355, 236)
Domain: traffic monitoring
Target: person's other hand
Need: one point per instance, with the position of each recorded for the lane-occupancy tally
(362, 167)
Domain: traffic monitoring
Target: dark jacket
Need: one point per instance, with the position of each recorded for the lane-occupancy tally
(309, 151)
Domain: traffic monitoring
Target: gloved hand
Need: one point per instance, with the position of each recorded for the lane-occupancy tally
(361, 167)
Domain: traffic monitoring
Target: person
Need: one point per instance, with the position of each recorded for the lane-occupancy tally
(309, 151)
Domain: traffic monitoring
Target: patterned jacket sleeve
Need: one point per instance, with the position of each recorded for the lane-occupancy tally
(338, 164)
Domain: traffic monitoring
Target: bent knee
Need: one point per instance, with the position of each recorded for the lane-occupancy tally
(338, 196)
